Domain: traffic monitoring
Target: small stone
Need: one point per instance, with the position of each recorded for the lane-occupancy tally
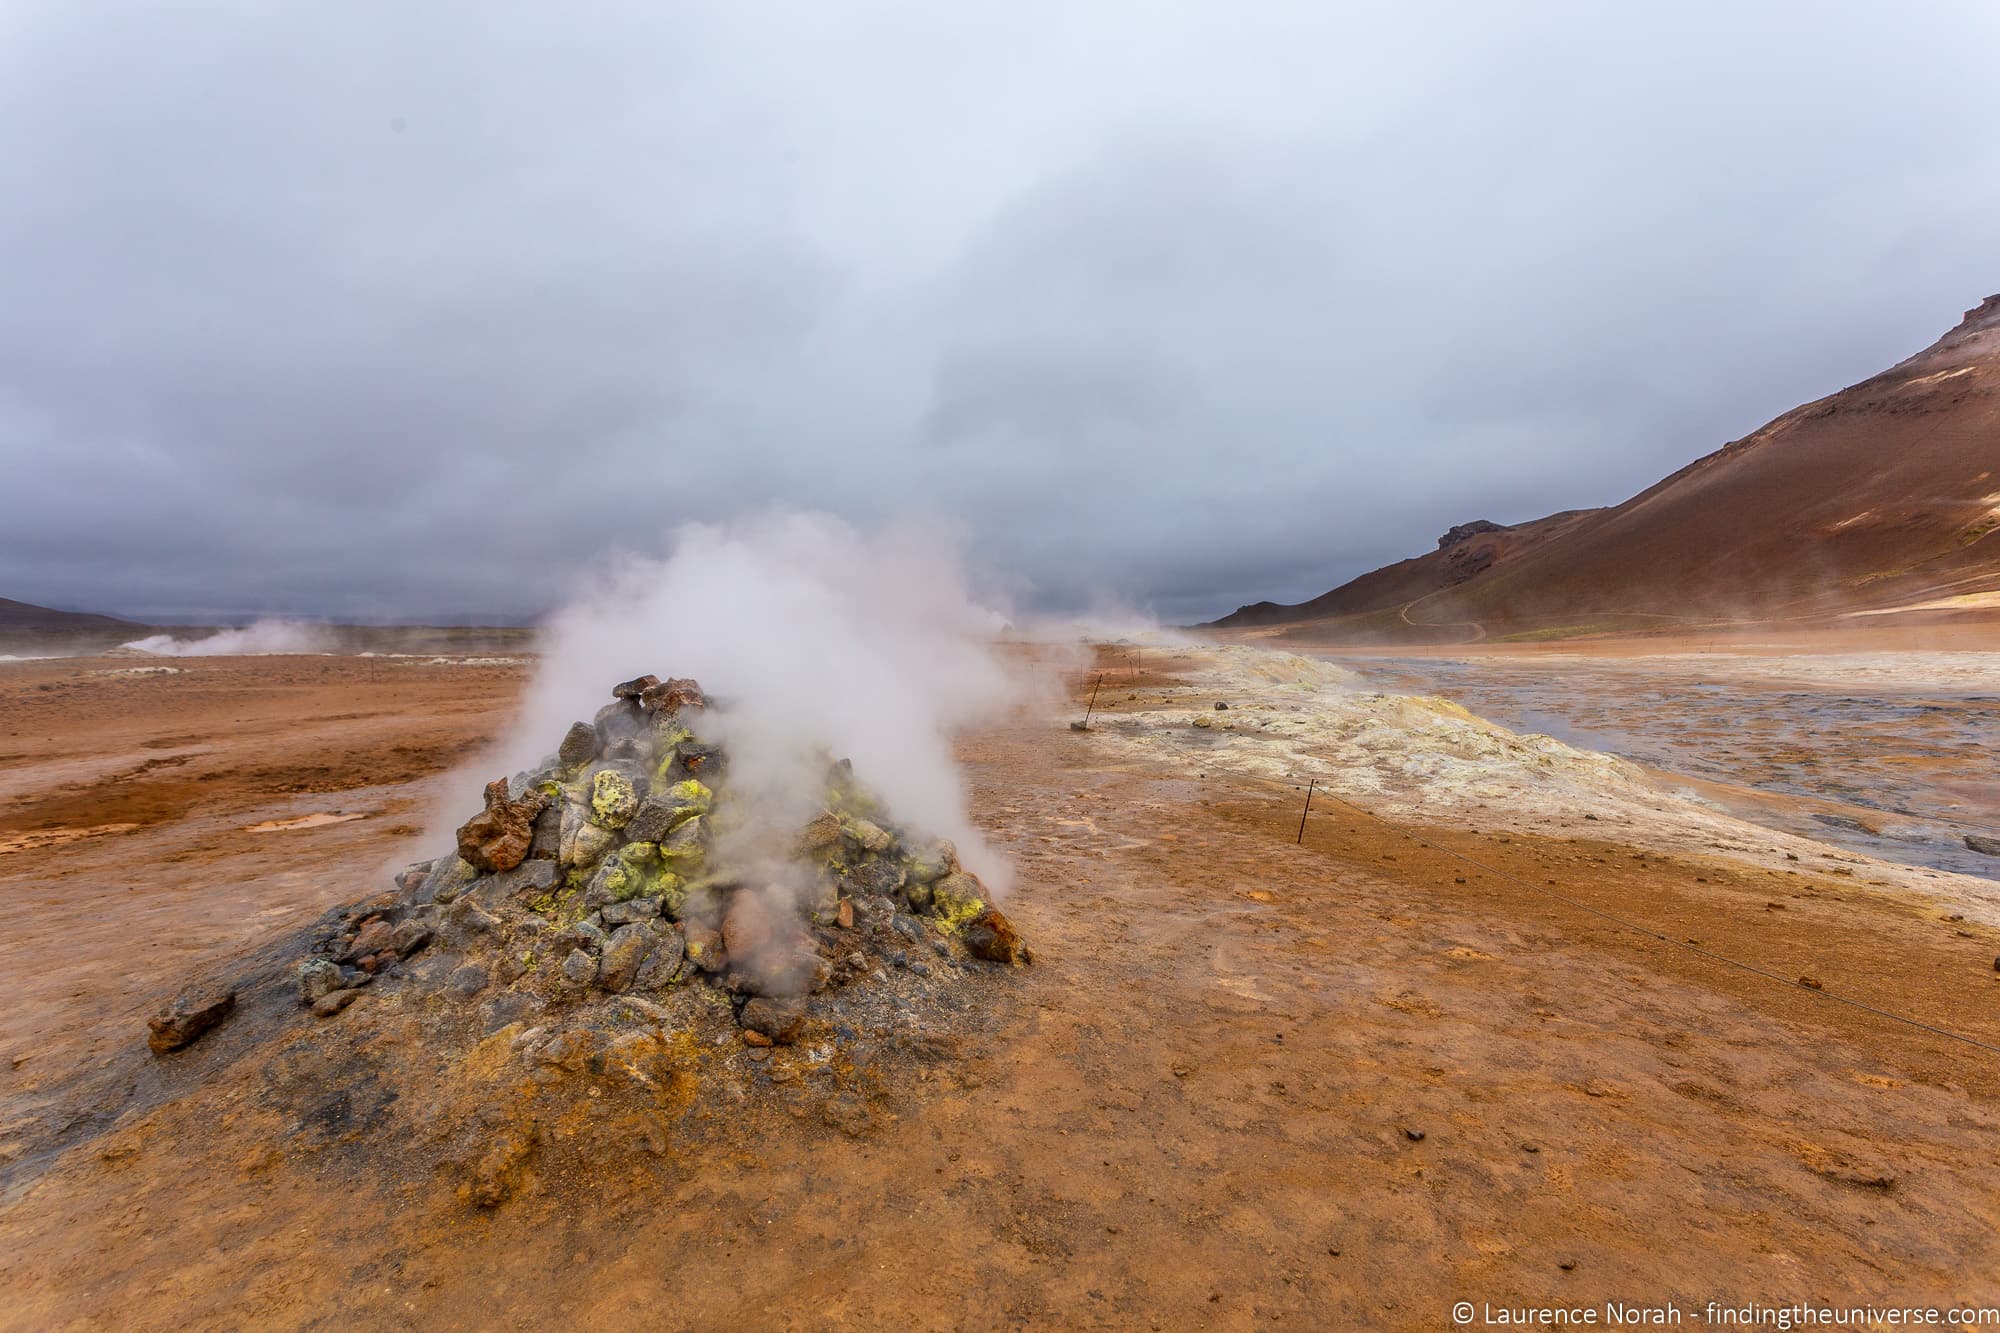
(411, 876)
(1567, 1265)
(183, 1022)
(1221, 707)
(468, 981)
(1413, 1135)
(326, 1006)
(752, 1037)
(409, 937)
(1810, 983)
(843, 916)
(1983, 845)
(632, 689)
(373, 938)
(318, 977)
(778, 1018)
(634, 909)
(579, 967)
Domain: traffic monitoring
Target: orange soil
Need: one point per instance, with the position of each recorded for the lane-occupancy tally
(1196, 1109)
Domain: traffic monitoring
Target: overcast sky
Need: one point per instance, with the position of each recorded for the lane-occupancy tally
(408, 309)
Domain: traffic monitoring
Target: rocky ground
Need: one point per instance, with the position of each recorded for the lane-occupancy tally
(1336, 1082)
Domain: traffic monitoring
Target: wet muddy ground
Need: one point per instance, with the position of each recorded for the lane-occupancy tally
(1891, 755)
(1251, 1081)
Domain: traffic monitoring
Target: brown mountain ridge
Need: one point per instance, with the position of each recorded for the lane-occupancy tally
(1880, 500)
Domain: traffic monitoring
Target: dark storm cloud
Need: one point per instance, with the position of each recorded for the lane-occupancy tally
(410, 310)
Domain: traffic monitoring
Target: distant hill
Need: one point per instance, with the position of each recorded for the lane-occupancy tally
(1883, 497)
(24, 616)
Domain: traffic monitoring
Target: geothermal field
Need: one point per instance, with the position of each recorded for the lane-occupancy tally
(299, 1028)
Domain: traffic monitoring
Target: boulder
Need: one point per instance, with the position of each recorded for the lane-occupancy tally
(992, 936)
(1984, 846)
(184, 1021)
(498, 837)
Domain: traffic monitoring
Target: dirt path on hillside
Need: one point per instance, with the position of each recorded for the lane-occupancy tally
(1337, 1084)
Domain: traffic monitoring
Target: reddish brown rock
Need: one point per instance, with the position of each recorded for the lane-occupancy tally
(671, 696)
(185, 1020)
(498, 837)
(776, 1018)
(992, 936)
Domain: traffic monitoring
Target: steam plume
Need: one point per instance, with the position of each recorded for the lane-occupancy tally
(818, 640)
(265, 636)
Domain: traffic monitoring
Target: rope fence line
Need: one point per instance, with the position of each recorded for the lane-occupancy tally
(1648, 931)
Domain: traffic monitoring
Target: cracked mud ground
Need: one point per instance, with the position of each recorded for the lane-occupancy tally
(1201, 1107)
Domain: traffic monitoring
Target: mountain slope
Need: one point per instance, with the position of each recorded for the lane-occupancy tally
(25, 616)
(1883, 495)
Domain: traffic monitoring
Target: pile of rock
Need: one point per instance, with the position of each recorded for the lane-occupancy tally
(590, 890)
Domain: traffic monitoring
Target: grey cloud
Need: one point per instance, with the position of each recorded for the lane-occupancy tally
(413, 310)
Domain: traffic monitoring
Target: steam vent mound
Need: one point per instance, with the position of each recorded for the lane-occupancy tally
(618, 933)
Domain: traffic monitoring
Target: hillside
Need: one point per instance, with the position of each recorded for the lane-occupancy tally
(1881, 499)
(24, 616)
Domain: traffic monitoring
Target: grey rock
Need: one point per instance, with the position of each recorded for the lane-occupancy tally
(878, 876)
(579, 967)
(931, 863)
(625, 913)
(1984, 846)
(579, 746)
(620, 720)
(582, 935)
(524, 880)
(318, 977)
(468, 981)
(663, 965)
(409, 937)
(463, 921)
(411, 877)
(659, 815)
(624, 954)
(512, 1007)
(448, 878)
(546, 844)
(582, 843)
(907, 927)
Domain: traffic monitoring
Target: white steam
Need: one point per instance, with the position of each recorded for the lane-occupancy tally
(265, 637)
(814, 639)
